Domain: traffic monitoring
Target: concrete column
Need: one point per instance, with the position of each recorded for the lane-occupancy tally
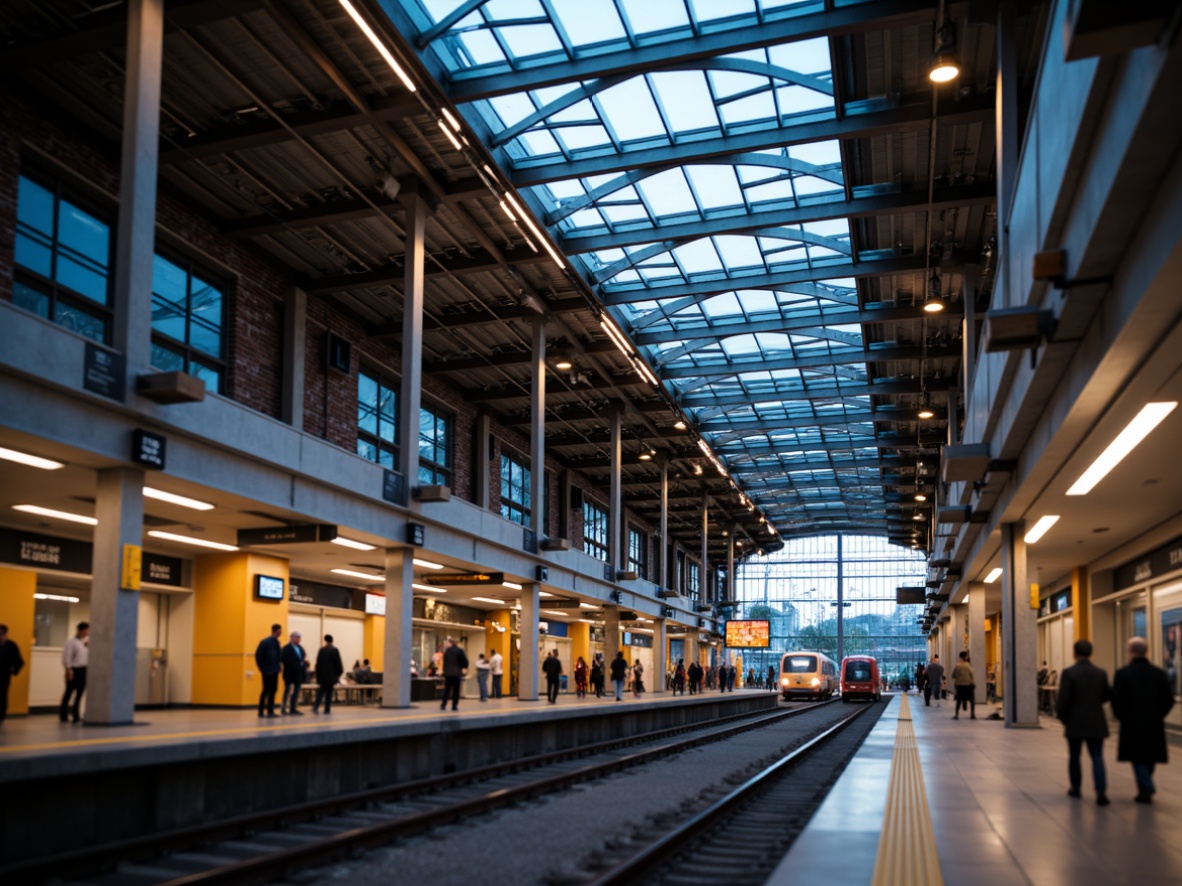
(663, 576)
(400, 575)
(135, 233)
(295, 330)
(675, 566)
(615, 517)
(969, 338)
(528, 666)
(1019, 627)
(660, 654)
(729, 593)
(411, 384)
(480, 470)
(611, 639)
(1008, 140)
(1081, 603)
(840, 605)
(703, 584)
(537, 430)
(114, 612)
(976, 609)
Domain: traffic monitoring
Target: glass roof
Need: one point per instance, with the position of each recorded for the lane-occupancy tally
(682, 251)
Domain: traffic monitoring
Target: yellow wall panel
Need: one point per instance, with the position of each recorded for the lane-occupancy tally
(16, 610)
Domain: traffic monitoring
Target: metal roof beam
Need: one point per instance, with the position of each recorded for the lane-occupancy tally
(833, 357)
(873, 16)
(490, 314)
(392, 275)
(737, 456)
(711, 402)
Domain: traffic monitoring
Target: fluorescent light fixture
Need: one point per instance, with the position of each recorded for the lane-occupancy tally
(446, 130)
(429, 589)
(680, 425)
(58, 597)
(587, 606)
(1126, 441)
(926, 413)
(511, 584)
(367, 576)
(1039, 529)
(188, 540)
(529, 223)
(57, 515)
(646, 373)
(378, 45)
(994, 575)
(350, 543)
(33, 461)
(617, 337)
(427, 564)
(489, 600)
(589, 621)
(545, 594)
(555, 612)
(173, 499)
(451, 119)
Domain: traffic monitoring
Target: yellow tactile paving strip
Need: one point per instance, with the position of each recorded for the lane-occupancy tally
(907, 847)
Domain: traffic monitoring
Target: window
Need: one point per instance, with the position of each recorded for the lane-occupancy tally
(595, 539)
(377, 409)
(515, 502)
(637, 552)
(187, 313)
(434, 448)
(63, 258)
(799, 664)
(693, 579)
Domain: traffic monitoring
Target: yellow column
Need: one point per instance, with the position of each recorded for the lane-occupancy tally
(16, 610)
(498, 641)
(1081, 602)
(229, 622)
(580, 643)
(374, 642)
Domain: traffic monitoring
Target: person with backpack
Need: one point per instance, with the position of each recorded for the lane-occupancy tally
(455, 665)
(679, 677)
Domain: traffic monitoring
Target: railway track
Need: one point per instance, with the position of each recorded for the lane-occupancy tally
(741, 837)
(262, 847)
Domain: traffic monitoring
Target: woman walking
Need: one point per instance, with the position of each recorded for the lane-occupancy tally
(581, 678)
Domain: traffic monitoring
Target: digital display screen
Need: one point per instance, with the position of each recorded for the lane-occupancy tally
(375, 604)
(268, 587)
(749, 634)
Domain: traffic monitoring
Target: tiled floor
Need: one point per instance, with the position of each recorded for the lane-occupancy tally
(999, 810)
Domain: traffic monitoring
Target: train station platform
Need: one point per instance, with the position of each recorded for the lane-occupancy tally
(997, 811)
(175, 768)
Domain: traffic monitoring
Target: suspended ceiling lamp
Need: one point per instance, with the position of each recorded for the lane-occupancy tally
(944, 66)
(925, 411)
(920, 495)
(933, 303)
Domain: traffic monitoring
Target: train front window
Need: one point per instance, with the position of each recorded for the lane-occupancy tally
(800, 664)
(857, 672)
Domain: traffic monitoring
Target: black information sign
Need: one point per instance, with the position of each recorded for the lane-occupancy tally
(68, 555)
(287, 535)
(103, 372)
(393, 489)
(467, 578)
(529, 541)
(609, 572)
(1165, 559)
(416, 534)
(147, 449)
(303, 591)
(910, 596)
(161, 570)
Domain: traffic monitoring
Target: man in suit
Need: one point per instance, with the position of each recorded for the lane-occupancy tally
(455, 665)
(267, 657)
(1083, 689)
(329, 668)
(552, 667)
(1141, 698)
(295, 669)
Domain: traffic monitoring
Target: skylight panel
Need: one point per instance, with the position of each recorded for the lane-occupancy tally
(576, 137)
(668, 194)
(775, 342)
(739, 251)
(483, 47)
(748, 110)
(708, 10)
(685, 99)
(579, 112)
(539, 142)
(584, 218)
(562, 190)
(800, 99)
(757, 301)
(631, 111)
(716, 186)
(589, 21)
(513, 108)
(817, 153)
(773, 190)
(740, 346)
(527, 40)
(647, 16)
(728, 83)
(833, 227)
(624, 213)
(698, 257)
(806, 56)
(810, 184)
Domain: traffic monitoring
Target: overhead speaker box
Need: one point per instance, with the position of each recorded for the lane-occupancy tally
(556, 544)
(1016, 329)
(170, 387)
(627, 575)
(432, 493)
(669, 613)
(964, 462)
(667, 593)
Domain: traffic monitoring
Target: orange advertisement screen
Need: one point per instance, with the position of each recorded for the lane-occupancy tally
(750, 634)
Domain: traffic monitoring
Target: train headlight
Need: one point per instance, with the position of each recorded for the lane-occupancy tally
(784, 681)
(816, 681)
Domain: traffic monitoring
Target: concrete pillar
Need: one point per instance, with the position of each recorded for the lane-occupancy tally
(703, 583)
(411, 384)
(1007, 139)
(611, 637)
(660, 655)
(480, 470)
(976, 607)
(135, 233)
(114, 612)
(615, 518)
(295, 329)
(537, 431)
(1081, 603)
(840, 604)
(663, 576)
(968, 339)
(400, 575)
(1019, 641)
(528, 666)
(729, 593)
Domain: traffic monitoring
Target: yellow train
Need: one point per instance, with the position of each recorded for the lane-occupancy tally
(807, 673)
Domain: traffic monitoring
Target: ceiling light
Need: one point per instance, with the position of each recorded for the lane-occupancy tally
(563, 363)
(1039, 529)
(350, 543)
(32, 461)
(617, 337)
(511, 584)
(488, 600)
(443, 127)
(1150, 416)
(646, 373)
(555, 612)
(545, 594)
(429, 589)
(452, 121)
(174, 499)
(185, 539)
(994, 575)
(945, 67)
(697, 470)
(427, 564)
(645, 455)
(378, 45)
(917, 517)
(926, 413)
(587, 606)
(920, 495)
(368, 576)
(680, 425)
(529, 223)
(934, 304)
(58, 515)
(58, 597)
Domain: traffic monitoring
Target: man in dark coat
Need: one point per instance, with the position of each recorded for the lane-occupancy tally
(1083, 689)
(10, 665)
(267, 657)
(1141, 698)
(295, 671)
(695, 677)
(552, 667)
(329, 668)
(455, 665)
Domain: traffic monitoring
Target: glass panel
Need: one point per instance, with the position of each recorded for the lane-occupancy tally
(165, 359)
(205, 330)
(84, 244)
(800, 664)
(34, 240)
(209, 375)
(30, 299)
(169, 298)
(81, 321)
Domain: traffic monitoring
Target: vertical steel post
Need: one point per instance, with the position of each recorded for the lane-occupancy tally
(537, 430)
(411, 385)
(664, 579)
(616, 506)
